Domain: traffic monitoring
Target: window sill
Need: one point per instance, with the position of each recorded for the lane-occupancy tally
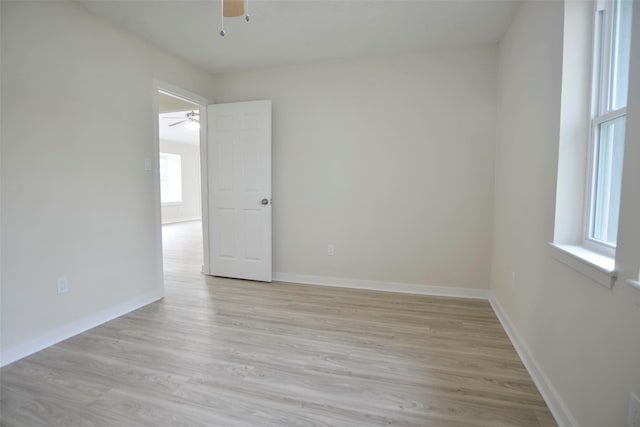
(171, 204)
(597, 267)
(635, 284)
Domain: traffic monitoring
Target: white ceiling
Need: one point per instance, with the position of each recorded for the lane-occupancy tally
(177, 133)
(302, 31)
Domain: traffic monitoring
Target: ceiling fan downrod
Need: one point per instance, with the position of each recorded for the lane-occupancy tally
(222, 33)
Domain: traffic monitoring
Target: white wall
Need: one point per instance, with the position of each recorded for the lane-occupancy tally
(77, 124)
(390, 159)
(190, 208)
(585, 338)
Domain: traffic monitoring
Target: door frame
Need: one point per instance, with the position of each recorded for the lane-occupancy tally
(202, 102)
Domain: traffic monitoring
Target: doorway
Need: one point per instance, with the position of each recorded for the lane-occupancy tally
(180, 188)
(235, 191)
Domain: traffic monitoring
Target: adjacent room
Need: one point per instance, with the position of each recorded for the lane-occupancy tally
(180, 183)
(336, 213)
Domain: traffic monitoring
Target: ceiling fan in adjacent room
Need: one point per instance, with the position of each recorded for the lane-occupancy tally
(191, 120)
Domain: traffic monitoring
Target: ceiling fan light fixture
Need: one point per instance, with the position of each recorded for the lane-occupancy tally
(192, 125)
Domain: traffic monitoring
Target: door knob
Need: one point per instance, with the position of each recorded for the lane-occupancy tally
(264, 201)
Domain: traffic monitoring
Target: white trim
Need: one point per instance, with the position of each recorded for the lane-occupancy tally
(635, 284)
(62, 333)
(155, 171)
(610, 115)
(551, 397)
(204, 188)
(181, 219)
(405, 288)
(597, 267)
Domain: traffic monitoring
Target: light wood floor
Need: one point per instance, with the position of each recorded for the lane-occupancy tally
(221, 352)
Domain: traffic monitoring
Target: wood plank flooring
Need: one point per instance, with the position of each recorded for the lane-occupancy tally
(220, 352)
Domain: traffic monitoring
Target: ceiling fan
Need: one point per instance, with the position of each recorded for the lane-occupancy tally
(233, 8)
(191, 120)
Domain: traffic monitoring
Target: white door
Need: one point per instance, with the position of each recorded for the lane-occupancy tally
(239, 164)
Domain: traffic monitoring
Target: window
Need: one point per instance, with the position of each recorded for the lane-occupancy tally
(170, 178)
(612, 37)
(593, 114)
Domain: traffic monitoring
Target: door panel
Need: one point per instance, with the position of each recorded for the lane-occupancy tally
(239, 179)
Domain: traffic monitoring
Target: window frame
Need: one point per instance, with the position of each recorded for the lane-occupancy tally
(604, 24)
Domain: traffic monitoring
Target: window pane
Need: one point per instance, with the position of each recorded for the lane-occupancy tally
(170, 178)
(607, 180)
(620, 54)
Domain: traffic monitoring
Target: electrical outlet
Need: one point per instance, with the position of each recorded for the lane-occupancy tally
(331, 249)
(513, 280)
(63, 285)
(634, 411)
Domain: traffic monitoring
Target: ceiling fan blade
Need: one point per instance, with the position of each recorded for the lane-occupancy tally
(177, 123)
(231, 8)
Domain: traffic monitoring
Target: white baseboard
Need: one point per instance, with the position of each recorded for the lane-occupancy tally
(62, 333)
(181, 219)
(557, 407)
(405, 288)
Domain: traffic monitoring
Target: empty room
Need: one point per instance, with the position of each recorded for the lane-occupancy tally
(320, 213)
